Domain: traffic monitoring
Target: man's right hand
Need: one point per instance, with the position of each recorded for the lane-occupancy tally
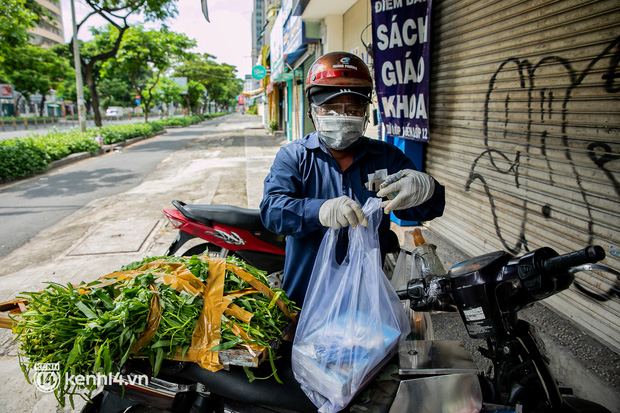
(339, 212)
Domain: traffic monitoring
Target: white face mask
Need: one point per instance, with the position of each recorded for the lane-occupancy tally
(339, 131)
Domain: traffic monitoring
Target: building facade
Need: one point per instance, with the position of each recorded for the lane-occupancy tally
(45, 33)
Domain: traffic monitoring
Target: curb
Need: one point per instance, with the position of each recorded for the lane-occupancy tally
(128, 142)
(69, 159)
(79, 156)
(76, 157)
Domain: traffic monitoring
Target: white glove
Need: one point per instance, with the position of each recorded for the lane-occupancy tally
(412, 189)
(340, 212)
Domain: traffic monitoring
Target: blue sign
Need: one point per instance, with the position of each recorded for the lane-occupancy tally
(401, 49)
(293, 35)
(259, 72)
(137, 101)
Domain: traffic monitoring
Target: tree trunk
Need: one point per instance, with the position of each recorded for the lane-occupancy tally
(16, 112)
(94, 98)
(42, 105)
(146, 104)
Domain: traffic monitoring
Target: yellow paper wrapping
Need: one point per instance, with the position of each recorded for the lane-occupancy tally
(216, 305)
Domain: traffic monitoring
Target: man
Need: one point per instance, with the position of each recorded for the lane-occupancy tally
(321, 181)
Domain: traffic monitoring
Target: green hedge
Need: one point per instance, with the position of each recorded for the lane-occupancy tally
(31, 154)
(23, 156)
(120, 133)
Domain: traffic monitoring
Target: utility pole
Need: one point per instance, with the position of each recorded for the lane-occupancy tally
(79, 86)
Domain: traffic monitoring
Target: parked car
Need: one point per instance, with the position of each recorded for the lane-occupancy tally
(114, 112)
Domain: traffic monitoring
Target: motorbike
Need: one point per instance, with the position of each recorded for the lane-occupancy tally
(423, 375)
(488, 291)
(224, 229)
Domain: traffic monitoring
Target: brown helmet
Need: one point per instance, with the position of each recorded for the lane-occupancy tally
(335, 74)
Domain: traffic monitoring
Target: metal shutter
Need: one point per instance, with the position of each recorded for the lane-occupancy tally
(525, 115)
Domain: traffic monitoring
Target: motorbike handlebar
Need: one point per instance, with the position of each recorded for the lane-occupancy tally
(572, 259)
(403, 294)
(421, 299)
(542, 273)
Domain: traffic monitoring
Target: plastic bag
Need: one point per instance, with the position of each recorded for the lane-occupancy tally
(414, 265)
(351, 321)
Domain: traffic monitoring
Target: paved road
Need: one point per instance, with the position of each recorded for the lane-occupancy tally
(27, 207)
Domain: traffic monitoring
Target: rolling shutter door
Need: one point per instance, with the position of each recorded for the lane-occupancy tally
(525, 121)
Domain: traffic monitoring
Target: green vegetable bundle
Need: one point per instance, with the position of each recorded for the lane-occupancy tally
(83, 331)
(151, 309)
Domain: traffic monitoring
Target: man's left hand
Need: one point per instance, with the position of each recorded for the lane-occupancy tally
(413, 189)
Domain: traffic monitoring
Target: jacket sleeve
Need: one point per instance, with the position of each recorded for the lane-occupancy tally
(283, 209)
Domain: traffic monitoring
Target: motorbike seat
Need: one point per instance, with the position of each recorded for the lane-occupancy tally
(248, 219)
(234, 384)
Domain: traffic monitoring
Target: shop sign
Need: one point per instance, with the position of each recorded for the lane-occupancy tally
(6, 91)
(277, 56)
(293, 35)
(259, 72)
(182, 83)
(286, 9)
(401, 49)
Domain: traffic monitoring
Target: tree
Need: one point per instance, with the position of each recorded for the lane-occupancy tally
(32, 69)
(195, 92)
(144, 56)
(15, 20)
(115, 91)
(218, 80)
(167, 91)
(116, 13)
(67, 89)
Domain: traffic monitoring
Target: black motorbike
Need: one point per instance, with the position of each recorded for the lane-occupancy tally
(488, 291)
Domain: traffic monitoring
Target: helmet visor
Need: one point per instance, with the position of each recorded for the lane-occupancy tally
(325, 94)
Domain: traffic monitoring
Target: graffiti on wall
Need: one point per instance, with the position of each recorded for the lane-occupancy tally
(551, 171)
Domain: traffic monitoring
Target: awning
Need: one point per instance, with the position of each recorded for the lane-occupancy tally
(253, 92)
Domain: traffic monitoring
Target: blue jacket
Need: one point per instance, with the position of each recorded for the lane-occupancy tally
(303, 176)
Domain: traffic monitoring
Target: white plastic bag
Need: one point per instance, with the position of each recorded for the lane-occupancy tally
(351, 319)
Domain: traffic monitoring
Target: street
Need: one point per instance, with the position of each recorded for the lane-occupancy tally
(90, 218)
(34, 204)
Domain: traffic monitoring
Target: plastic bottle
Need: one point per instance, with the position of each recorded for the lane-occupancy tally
(418, 239)
(425, 257)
